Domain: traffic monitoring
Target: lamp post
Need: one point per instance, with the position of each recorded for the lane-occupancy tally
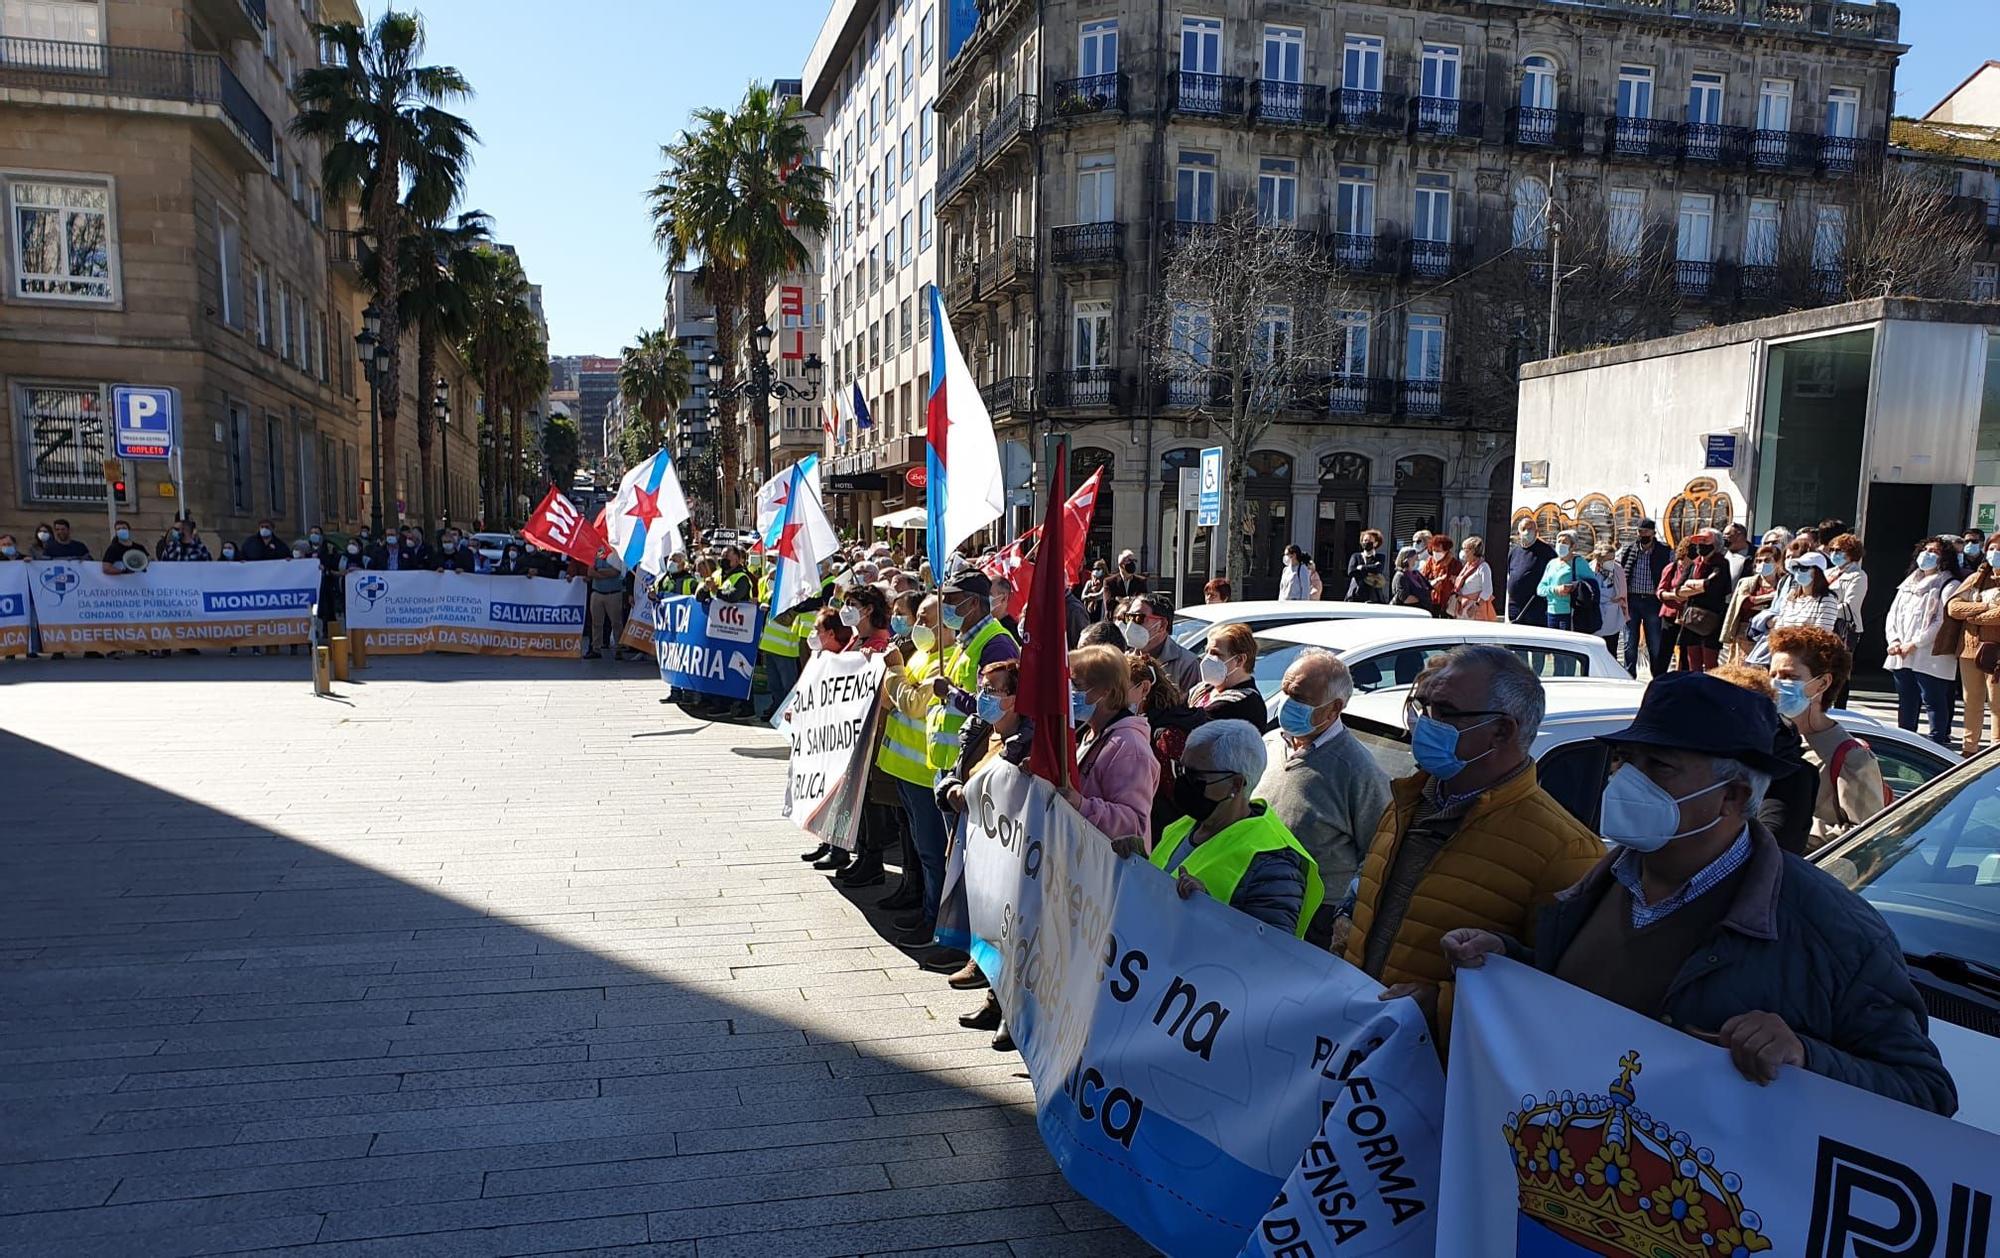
(441, 411)
(374, 358)
(760, 387)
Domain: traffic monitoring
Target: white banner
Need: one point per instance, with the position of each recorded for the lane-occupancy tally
(401, 613)
(81, 607)
(834, 717)
(1218, 1085)
(13, 608)
(1578, 1127)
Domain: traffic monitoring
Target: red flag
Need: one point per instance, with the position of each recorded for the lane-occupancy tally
(1014, 564)
(556, 525)
(1044, 678)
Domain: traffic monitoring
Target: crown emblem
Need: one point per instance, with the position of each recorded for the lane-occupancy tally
(1600, 1176)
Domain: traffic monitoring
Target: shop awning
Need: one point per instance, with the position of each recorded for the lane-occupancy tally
(907, 518)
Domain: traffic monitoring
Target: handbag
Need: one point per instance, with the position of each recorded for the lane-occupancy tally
(1988, 659)
(1702, 622)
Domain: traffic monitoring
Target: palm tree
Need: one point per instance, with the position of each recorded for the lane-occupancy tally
(655, 377)
(737, 191)
(500, 322)
(527, 379)
(379, 116)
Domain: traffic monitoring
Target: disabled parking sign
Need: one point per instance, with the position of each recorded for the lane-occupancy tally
(144, 421)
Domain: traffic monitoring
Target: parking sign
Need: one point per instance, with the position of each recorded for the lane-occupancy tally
(1208, 510)
(144, 421)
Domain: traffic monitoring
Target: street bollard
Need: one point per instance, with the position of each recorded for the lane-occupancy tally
(337, 648)
(357, 649)
(322, 671)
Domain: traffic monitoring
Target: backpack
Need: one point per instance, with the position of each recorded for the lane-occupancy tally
(1840, 759)
(1586, 608)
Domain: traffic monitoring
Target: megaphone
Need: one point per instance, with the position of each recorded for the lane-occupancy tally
(134, 561)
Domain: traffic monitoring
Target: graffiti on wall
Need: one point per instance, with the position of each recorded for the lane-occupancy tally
(1595, 517)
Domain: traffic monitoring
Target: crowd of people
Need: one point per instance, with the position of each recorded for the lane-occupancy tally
(1694, 905)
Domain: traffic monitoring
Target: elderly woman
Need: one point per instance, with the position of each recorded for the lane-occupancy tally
(1227, 691)
(1808, 667)
(1230, 846)
(1116, 771)
(1561, 577)
(1216, 591)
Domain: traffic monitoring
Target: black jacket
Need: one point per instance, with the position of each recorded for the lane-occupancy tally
(257, 546)
(1628, 559)
(1360, 566)
(1525, 605)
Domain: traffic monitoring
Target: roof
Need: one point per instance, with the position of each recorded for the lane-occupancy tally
(1314, 609)
(1963, 84)
(1346, 636)
(1946, 139)
(1569, 700)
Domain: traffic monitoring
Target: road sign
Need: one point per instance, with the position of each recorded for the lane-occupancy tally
(145, 421)
(1208, 512)
(1721, 449)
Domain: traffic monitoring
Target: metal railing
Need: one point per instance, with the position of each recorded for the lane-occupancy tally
(959, 171)
(346, 248)
(1544, 128)
(1844, 155)
(1641, 137)
(1447, 117)
(1366, 110)
(1194, 388)
(1692, 278)
(1711, 142)
(1087, 244)
(1368, 254)
(1178, 231)
(1433, 259)
(1212, 95)
(1783, 150)
(1289, 104)
(1083, 388)
(962, 289)
(1360, 395)
(1015, 121)
(196, 78)
(1420, 397)
(1090, 95)
(1756, 283)
(1015, 269)
(1008, 395)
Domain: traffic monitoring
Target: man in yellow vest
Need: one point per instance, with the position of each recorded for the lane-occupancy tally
(1228, 845)
(784, 649)
(965, 608)
(733, 584)
(905, 756)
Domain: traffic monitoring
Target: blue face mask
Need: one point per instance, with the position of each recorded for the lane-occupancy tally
(899, 625)
(1993, 558)
(1435, 746)
(953, 618)
(1080, 707)
(989, 707)
(1792, 697)
(1928, 561)
(1295, 718)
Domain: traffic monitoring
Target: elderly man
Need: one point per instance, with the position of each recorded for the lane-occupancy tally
(1323, 785)
(1147, 621)
(978, 639)
(1700, 920)
(1470, 839)
(1231, 845)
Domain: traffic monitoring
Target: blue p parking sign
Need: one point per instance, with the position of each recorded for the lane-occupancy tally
(144, 421)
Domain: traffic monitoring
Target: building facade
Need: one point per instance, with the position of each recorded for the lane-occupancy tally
(597, 385)
(689, 318)
(873, 75)
(797, 319)
(1416, 146)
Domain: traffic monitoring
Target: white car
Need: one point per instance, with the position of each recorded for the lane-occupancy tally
(1572, 765)
(490, 545)
(1191, 624)
(1388, 651)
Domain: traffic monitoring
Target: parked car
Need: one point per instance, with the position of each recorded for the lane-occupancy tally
(490, 545)
(1573, 765)
(1191, 624)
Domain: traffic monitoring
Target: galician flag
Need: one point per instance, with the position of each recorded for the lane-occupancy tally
(643, 523)
(799, 536)
(964, 490)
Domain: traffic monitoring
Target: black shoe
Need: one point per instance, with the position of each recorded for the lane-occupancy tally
(1003, 1040)
(906, 896)
(944, 961)
(859, 876)
(592, 655)
(984, 1018)
(817, 853)
(834, 860)
(918, 937)
(911, 921)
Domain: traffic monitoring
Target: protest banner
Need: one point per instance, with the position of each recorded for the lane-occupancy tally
(1577, 1127)
(81, 607)
(835, 711)
(403, 613)
(640, 633)
(711, 648)
(13, 609)
(1219, 1086)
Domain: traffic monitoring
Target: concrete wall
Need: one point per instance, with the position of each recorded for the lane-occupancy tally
(1925, 425)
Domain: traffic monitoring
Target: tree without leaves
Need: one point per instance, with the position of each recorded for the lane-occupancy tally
(1902, 233)
(1220, 355)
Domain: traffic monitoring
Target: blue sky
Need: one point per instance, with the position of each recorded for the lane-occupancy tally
(575, 99)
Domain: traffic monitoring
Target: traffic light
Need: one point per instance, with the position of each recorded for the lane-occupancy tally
(118, 487)
(114, 476)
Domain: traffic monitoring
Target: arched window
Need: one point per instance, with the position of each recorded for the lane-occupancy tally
(1419, 500)
(1083, 460)
(1343, 512)
(1538, 82)
(1531, 213)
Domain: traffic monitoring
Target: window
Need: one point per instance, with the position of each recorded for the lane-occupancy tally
(1096, 187)
(1843, 112)
(1432, 221)
(909, 154)
(229, 270)
(1284, 54)
(1423, 348)
(1774, 105)
(1201, 46)
(1353, 352)
(315, 208)
(889, 252)
(1097, 48)
(62, 240)
(1829, 237)
(874, 114)
(927, 130)
(1705, 99)
(1624, 225)
(1361, 64)
(59, 21)
(239, 456)
(1531, 213)
(263, 299)
(909, 66)
(874, 345)
(1985, 281)
(1277, 191)
(906, 322)
(1194, 187)
(1274, 335)
(274, 461)
(1090, 336)
(924, 315)
(1693, 240)
(1538, 82)
(1354, 202)
(298, 182)
(1193, 332)
(284, 321)
(1440, 71)
(1760, 236)
(1635, 91)
(908, 239)
(925, 221)
(927, 36)
(63, 426)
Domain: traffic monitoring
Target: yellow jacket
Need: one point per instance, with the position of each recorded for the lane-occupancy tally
(1515, 848)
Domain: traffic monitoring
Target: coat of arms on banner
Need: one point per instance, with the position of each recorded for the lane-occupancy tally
(1598, 1175)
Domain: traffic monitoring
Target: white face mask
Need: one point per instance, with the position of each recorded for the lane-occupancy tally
(1639, 814)
(850, 616)
(1136, 636)
(923, 637)
(1213, 670)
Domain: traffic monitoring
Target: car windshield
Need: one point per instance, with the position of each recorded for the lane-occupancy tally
(1931, 867)
(1189, 630)
(1273, 658)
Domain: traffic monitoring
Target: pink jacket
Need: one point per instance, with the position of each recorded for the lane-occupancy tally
(1119, 775)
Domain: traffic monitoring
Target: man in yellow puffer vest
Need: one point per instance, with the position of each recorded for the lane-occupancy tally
(905, 756)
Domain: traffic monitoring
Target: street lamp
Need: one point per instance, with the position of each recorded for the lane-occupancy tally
(441, 411)
(760, 387)
(374, 362)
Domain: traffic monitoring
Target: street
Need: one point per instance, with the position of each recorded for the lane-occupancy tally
(483, 956)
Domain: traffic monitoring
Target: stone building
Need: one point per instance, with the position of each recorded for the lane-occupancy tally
(1417, 144)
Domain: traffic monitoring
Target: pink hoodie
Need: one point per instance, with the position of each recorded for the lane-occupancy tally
(1119, 775)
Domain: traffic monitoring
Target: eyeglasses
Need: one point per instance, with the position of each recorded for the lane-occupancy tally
(1424, 707)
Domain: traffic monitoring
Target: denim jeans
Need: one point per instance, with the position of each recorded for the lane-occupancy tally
(1933, 694)
(928, 833)
(781, 673)
(1644, 614)
(1561, 620)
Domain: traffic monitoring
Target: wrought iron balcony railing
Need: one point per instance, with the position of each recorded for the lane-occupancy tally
(1447, 117)
(1208, 95)
(1544, 128)
(1693, 278)
(1015, 121)
(1009, 395)
(1434, 259)
(1655, 138)
(1364, 110)
(1420, 398)
(1289, 104)
(1783, 150)
(959, 171)
(1360, 395)
(1083, 388)
(1087, 244)
(195, 78)
(1089, 96)
(1368, 254)
(1715, 144)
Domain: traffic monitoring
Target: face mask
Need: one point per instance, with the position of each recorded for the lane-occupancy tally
(923, 637)
(450, 547)
(315, 538)
(850, 616)
(1562, 550)
(1792, 697)
(990, 710)
(1766, 568)
(229, 552)
(1296, 718)
(124, 535)
(674, 569)
(1639, 814)
(8, 550)
(1136, 636)
(953, 618)
(1837, 560)
(1191, 797)
(1993, 558)
(1800, 572)
(756, 562)
(1080, 707)
(353, 548)
(1213, 670)
(1525, 541)
(263, 532)
(1435, 746)
(1125, 567)
(42, 536)
(1928, 561)
(899, 625)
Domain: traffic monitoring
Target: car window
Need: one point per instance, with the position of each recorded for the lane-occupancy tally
(1905, 768)
(1552, 663)
(1394, 666)
(1389, 745)
(1931, 867)
(1273, 658)
(1574, 774)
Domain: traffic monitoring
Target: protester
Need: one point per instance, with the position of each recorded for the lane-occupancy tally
(1127, 583)
(1645, 559)
(1216, 591)
(831, 636)
(1615, 597)
(59, 544)
(1233, 847)
(513, 563)
(1808, 667)
(38, 547)
(1298, 580)
(1368, 572)
(1169, 721)
(1093, 591)
(1843, 556)
(120, 548)
(865, 610)
(1473, 599)
(1227, 690)
(1441, 567)
(1147, 622)
(263, 545)
(1787, 811)
(1700, 921)
(1561, 580)
(1975, 606)
(1116, 771)
(781, 642)
(1324, 786)
(1811, 600)
(904, 757)
(1699, 598)
(1526, 564)
(1922, 655)
(1751, 598)
(10, 551)
(1470, 839)
(606, 623)
(1736, 551)
(183, 544)
(1002, 599)
(972, 642)
(1408, 588)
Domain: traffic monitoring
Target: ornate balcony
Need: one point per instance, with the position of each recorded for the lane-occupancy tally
(1715, 144)
(1420, 399)
(1544, 128)
(1009, 395)
(1175, 232)
(1363, 254)
(1694, 279)
(1008, 270)
(1644, 138)
(1434, 259)
(1758, 284)
(958, 172)
(345, 249)
(1083, 389)
(1188, 390)
(1783, 150)
(1359, 110)
(961, 291)
(1208, 95)
(1094, 95)
(1288, 104)
(118, 76)
(1012, 125)
(1360, 395)
(1087, 245)
(1447, 118)
(1845, 155)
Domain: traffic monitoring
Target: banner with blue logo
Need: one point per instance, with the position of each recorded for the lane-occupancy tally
(1220, 1086)
(711, 649)
(407, 612)
(13, 609)
(81, 607)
